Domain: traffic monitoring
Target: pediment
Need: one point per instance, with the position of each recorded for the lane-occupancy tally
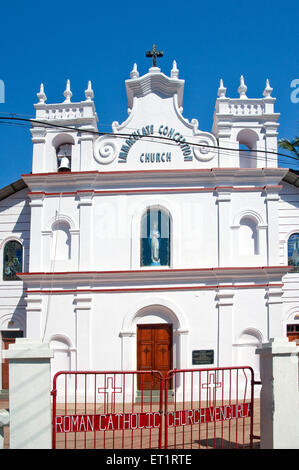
(155, 135)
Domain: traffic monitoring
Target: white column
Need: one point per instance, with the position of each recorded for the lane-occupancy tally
(30, 394)
(83, 331)
(85, 244)
(127, 341)
(38, 140)
(75, 240)
(86, 152)
(274, 304)
(183, 356)
(35, 258)
(272, 199)
(34, 316)
(46, 249)
(225, 298)
(279, 400)
(224, 234)
(262, 241)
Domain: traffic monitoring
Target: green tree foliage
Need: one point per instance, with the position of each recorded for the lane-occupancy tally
(292, 146)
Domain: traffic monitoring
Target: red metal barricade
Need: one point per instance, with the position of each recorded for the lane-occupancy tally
(187, 409)
(107, 410)
(209, 408)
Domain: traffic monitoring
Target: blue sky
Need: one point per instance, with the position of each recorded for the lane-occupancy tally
(100, 41)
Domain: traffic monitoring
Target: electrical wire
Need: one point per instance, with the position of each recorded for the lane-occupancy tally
(151, 137)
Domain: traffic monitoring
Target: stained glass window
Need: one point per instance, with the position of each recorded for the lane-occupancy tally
(293, 252)
(155, 238)
(12, 261)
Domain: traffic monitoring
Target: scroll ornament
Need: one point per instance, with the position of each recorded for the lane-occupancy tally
(105, 149)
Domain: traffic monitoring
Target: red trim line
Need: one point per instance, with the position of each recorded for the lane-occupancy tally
(141, 289)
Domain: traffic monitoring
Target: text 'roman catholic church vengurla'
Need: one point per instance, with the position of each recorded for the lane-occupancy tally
(157, 245)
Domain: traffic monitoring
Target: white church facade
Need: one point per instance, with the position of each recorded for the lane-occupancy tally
(155, 246)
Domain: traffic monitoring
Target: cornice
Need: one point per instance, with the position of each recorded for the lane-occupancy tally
(221, 278)
(155, 179)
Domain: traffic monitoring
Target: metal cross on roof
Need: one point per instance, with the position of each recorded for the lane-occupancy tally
(154, 54)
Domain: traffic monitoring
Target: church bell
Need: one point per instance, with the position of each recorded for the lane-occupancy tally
(64, 164)
(64, 157)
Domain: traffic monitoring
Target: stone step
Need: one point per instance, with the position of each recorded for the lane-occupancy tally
(153, 396)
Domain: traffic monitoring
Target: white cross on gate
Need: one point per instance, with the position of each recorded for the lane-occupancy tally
(212, 386)
(110, 391)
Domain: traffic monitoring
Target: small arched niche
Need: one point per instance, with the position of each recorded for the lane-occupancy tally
(247, 139)
(249, 340)
(248, 237)
(61, 241)
(61, 347)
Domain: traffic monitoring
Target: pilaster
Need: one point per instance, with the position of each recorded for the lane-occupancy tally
(224, 235)
(35, 258)
(86, 225)
(272, 200)
(274, 305)
(83, 305)
(86, 162)
(38, 140)
(225, 303)
(34, 310)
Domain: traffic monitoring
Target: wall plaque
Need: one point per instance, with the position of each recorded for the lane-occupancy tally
(203, 356)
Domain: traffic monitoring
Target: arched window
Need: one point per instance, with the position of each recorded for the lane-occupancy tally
(293, 252)
(248, 241)
(155, 238)
(12, 260)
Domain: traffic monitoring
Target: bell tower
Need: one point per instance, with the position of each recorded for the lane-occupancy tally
(57, 148)
(247, 127)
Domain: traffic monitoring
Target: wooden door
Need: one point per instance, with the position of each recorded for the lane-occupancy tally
(293, 332)
(154, 352)
(8, 337)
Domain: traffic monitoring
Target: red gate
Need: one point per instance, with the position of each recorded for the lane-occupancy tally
(107, 410)
(194, 408)
(210, 408)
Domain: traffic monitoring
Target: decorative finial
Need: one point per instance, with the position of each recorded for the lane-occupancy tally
(41, 95)
(67, 93)
(242, 88)
(221, 89)
(89, 94)
(268, 90)
(174, 71)
(154, 54)
(134, 72)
